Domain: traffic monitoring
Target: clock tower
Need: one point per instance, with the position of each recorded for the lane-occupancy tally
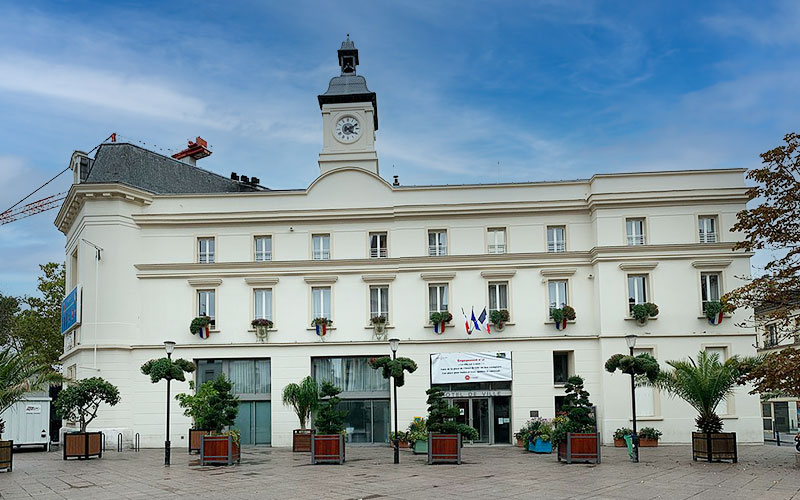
(349, 117)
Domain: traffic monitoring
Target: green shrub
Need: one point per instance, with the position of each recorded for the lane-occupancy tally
(80, 401)
(329, 419)
(649, 433)
(642, 312)
(213, 407)
(441, 416)
(622, 432)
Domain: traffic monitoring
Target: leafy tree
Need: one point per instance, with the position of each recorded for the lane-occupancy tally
(303, 398)
(578, 410)
(81, 401)
(167, 369)
(441, 416)
(22, 372)
(37, 325)
(642, 365)
(776, 373)
(329, 419)
(213, 407)
(773, 225)
(394, 368)
(702, 384)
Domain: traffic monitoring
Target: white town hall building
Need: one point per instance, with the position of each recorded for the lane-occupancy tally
(153, 241)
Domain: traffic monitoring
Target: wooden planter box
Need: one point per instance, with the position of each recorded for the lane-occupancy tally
(619, 443)
(444, 448)
(327, 449)
(714, 447)
(83, 445)
(7, 455)
(580, 447)
(647, 443)
(219, 450)
(400, 444)
(196, 439)
(301, 439)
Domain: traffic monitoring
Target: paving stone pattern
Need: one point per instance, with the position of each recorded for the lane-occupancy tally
(763, 472)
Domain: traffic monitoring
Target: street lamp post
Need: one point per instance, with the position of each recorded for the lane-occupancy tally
(393, 344)
(169, 346)
(631, 340)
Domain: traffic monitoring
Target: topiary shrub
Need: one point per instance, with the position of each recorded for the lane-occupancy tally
(577, 409)
(214, 407)
(441, 416)
(643, 364)
(394, 368)
(329, 419)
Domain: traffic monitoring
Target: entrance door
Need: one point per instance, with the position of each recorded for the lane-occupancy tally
(781, 416)
(463, 411)
(502, 420)
(480, 418)
(254, 422)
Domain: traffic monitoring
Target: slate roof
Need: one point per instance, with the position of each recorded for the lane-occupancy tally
(137, 167)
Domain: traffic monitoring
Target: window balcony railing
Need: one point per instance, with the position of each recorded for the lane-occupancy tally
(558, 246)
(378, 253)
(708, 237)
(636, 239)
(262, 256)
(437, 250)
(322, 254)
(206, 258)
(497, 249)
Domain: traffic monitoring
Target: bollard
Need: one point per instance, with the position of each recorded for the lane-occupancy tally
(119, 442)
(136, 442)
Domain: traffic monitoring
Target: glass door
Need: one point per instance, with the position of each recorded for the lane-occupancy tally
(479, 417)
(463, 411)
(502, 420)
(254, 422)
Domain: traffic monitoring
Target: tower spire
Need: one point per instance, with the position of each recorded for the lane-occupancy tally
(348, 57)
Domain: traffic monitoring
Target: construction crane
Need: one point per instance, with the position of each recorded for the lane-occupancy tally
(32, 208)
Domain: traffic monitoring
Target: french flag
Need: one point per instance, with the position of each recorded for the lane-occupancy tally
(322, 329)
(475, 320)
(717, 319)
(205, 332)
(484, 320)
(466, 322)
(438, 327)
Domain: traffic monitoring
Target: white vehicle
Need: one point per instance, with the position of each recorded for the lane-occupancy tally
(28, 422)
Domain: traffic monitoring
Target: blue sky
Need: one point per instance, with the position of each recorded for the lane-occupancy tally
(467, 91)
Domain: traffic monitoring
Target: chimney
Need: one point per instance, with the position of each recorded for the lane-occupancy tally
(396, 180)
(245, 179)
(196, 150)
(254, 181)
(234, 176)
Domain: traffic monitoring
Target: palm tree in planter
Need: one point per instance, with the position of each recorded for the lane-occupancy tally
(575, 434)
(213, 408)
(704, 384)
(327, 443)
(79, 402)
(303, 399)
(445, 435)
(561, 315)
(169, 370)
(20, 372)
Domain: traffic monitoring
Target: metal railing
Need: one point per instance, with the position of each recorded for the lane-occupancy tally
(437, 250)
(377, 253)
(497, 249)
(322, 254)
(635, 239)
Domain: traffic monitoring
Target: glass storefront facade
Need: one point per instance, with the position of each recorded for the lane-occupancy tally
(365, 396)
(484, 406)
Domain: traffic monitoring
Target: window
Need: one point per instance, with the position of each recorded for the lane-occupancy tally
(557, 293)
(73, 270)
(637, 290)
(498, 296)
(379, 301)
(708, 229)
(378, 245)
(561, 362)
(645, 395)
(263, 303)
(250, 376)
(709, 284)
(724, 406)
(322, 246)
(635, 230)
(206, 306)
(771, 337)
(321, 297)
(205, 250)
(497, 240)
(556, 239)
(437, 243)
(350, 375)
(263, 248)
(437, 298)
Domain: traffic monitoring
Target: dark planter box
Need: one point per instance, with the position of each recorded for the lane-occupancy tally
(219, 450)
(301, 439)
(327, 448)
(7, 455)
(83, 445)
(714, 447)
(444, 448)
(196, 439)
(580, 447)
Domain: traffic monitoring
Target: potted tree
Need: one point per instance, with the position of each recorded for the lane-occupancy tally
(704, 384)
(321, 326)
(648, 437)
(303, 398)
(715, 310)
(418, 435)
(20, 372)
(379, 326)
(575, 434)
(80, 402)
(642, 312)
(561, 315)
(262, 326)
(440, 320)
(201, 326)
(327, 443)
(444, 433)
(169, 370)
(619, 436)
(213, 408)
(499, 318)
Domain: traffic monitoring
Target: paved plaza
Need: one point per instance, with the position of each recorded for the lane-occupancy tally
(763, 472)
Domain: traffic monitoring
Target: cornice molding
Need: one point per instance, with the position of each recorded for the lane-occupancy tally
(638, 266)
(378, 278)
(712, 264)
(558, 271)
(80, 193)
(200, 282)
(321, 280)
(440, 276)
(262, 280)
(499, 274)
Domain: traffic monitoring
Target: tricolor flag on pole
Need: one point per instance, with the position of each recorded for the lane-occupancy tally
(475, 320)
(484, 320)
(466, 322)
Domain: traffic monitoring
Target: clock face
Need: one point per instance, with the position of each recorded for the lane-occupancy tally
(347, 129)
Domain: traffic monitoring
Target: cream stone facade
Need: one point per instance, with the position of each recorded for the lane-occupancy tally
(146, 286)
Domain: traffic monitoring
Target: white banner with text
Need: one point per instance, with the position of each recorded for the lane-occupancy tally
(467, 367)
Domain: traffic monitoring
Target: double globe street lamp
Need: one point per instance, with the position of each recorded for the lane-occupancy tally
(631, 340)
(393, 345)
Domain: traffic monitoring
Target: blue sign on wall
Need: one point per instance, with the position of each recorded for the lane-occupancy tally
(71, 310)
